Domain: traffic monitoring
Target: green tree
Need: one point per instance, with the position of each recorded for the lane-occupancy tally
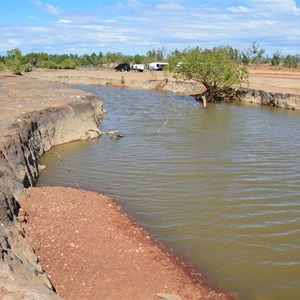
(291, 61)
(2, 66)
(276, 59)
(156, 54)
(255, 53)
(50, 64)
(68, 63)
(215, 69)
(138, 59)
(14, 61)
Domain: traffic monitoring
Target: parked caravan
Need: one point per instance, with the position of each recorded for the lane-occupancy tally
(156, 66)
(138, 67)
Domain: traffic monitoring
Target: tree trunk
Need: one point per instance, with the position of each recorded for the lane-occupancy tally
(214, 93)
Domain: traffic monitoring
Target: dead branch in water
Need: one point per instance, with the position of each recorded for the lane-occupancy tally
(165, 123)
(66, 166)
(114, 134)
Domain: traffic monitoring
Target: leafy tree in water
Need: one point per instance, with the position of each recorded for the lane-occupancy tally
(215, 69)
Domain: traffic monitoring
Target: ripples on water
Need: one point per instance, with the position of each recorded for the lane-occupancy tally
(221, 185)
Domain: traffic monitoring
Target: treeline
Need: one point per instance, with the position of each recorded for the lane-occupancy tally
(17, 62)
(253, 56)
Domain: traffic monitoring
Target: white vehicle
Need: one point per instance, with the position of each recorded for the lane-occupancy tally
(138, 67)
(156, 66)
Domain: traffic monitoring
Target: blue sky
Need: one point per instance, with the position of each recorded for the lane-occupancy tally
(136, 26)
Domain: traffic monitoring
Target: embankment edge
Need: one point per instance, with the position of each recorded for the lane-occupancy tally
(251, 95)
(20, 274)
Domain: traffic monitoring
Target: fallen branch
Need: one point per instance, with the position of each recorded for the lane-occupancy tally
(165, 123)
(114, 134)
(66, 166)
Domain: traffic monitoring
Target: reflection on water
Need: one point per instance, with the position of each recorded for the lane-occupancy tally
(221, 185)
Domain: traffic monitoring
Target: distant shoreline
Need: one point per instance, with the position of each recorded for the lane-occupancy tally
(278, 88)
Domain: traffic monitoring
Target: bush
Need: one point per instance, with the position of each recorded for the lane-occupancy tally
(2, 66)
(16, 67)
(68, 63)
(50, 64)
(28, 67)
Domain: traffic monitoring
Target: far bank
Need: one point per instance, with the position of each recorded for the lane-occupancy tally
(278, 88)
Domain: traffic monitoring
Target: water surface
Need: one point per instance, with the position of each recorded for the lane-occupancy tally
(220, 185)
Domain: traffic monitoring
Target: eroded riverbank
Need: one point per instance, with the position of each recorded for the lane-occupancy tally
(38, 116)
(275, 88)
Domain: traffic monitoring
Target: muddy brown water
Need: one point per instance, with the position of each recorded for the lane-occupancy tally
(220, 185)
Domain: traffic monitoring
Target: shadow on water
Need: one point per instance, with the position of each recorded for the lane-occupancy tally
(220, 185)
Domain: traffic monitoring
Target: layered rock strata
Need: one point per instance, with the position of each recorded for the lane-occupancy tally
(21, 277)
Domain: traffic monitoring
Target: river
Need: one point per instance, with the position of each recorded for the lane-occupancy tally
(220, 185)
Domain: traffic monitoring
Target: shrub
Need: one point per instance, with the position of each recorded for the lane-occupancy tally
(2, 66)
(28, 67)
(68, 63)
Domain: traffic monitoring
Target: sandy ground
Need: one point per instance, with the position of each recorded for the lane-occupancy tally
(284, 81)
(92, 250)
(20, 96)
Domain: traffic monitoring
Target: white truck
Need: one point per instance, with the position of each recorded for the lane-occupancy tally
(138, 67)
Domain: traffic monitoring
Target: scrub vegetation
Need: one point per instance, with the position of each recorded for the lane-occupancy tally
(254, 55)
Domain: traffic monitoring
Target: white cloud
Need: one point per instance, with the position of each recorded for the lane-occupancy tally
(64, 21)
(277, 6)
(14, 42)
(169, 6)
(110, 21)
(239, 9)
(48, 7)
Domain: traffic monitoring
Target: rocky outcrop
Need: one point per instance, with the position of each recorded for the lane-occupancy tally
(282, 100)
(21, 277)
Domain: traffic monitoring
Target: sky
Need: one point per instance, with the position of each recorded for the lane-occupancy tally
(136, 26)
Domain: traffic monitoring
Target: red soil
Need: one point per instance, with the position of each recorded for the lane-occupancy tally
(91, 250)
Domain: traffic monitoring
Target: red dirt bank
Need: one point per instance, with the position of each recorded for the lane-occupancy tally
(91, 250)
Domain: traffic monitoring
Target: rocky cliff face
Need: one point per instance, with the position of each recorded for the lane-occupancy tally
(20, 275)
